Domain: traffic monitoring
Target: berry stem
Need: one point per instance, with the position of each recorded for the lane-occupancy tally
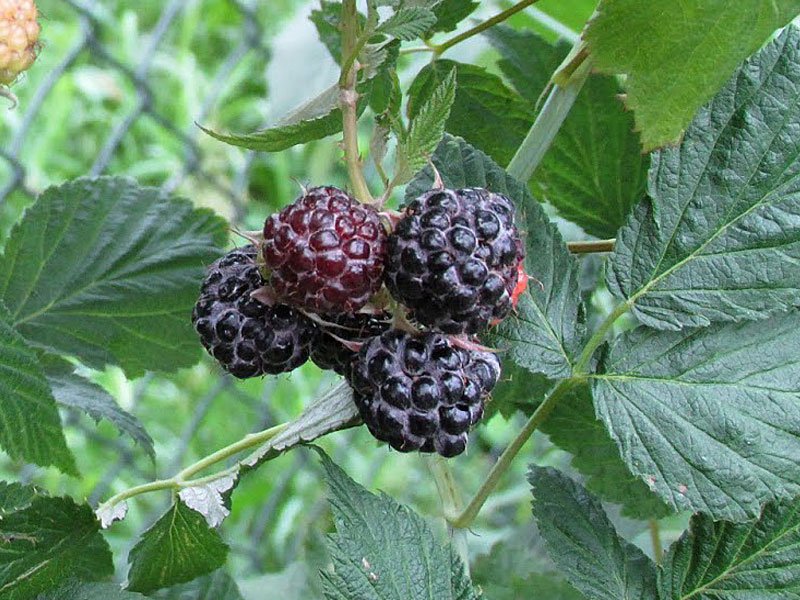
(351, 44)
(589, 246)
(655, 539)
(467, 516)
(451, 502)
(498, 18)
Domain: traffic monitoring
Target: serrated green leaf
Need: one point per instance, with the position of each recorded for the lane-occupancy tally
(485, 112)
(384, 551)
(449, 13)
(517, 390)
(546, 329)
(720, 241)
(677, 53)
(326, 19)
(758, 560)
(408, 23)
(709, 417)
(108, 271)
(426, 129)
(178, 548)
(583, 543)
(215, 586)
(594, 171)
(30, 426)
(78, 590)
(78, 393)
(15, 496)
(574, 427)
(46, 539)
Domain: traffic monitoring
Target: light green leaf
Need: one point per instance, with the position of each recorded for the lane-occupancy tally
(426, 129)
(583, 543)
(574, 427)
(758, 560)
(46, 539)
(594, 170)
(215, 586)
(709, 418)
(30, 427)
(408, 23)
(178, 548)
(546, 329)
(485, 112)
(78, 590)
(78, 393)
(384, 551)
(106, 270)
(677, 53)
(720, 240)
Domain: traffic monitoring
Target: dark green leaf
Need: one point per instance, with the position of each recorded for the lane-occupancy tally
(15, 496)
(426, 129)
(408, 23)
(518, 389)
(758, 560)
(486, 113)
(720, 241)
(78, 393)
(574, 427)
(178, 548)
(677, 53)
(583, 543)
(326, 19)
(449, 13)
(44, 541)
(546, 330)
(106, 270)
(594, 171)
(78, 590)
(384, 551)
(710, 417)
(30, 427)
(216, 586)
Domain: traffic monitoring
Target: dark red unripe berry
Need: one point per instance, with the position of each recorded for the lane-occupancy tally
(246, 337)
(325, 251)
(454, 259)
(422, 393)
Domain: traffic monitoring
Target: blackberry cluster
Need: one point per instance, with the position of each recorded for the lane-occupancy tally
(422, 392)
(454, 259)
(246, 337)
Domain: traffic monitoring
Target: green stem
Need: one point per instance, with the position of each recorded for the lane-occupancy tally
(347, 100)
(548, 122)
(465, 519)
(655, 539)
(589, 246)
(498, 18)
(451, 502)
(597, 338)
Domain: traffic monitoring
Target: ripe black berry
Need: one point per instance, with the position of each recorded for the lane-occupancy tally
(325, 251)
(328, 351)
(422, 393)
(247, 337)
(454, 259)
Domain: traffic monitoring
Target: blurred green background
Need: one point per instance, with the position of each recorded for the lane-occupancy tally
(118, 88)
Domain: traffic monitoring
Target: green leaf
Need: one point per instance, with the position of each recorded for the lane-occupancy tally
(30, 427)
(449, 13)
(384, 551)
(594, 171)
(518, 389)
(215, 586)
(720, 241)
(709, 417)
(46, 539)
(547, 328)
(177, 548)
(426, 129)
(408, 23)
(15, 496)
(78, 590)
(80, 394)
(759, 560)
(677, 53)
(326, 19)
(108, 271)
(583, 543)
(574, 427)
(485, 112)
